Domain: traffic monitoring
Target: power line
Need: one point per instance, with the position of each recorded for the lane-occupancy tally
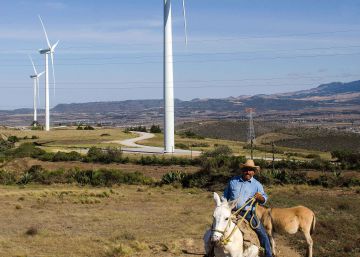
(204, 40)
(191, 81)
(205, 54)
(199, 61)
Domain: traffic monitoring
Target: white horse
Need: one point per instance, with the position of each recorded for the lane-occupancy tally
(225, 237)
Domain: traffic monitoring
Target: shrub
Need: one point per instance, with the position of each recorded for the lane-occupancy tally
(190, 134)
(155, 129)
(26, 150)
(88, 127)
(13, 139)
(49, 157)
(105, 177)
(312, 156)
(105, 156)
(348, 159)
(172, 177)
(5, 145)
(62, 156)
(220, 150)
(181, 146)
(7, 178)
(154, 160)
(138, 128)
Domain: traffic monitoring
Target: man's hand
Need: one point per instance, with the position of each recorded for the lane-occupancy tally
(258, 196)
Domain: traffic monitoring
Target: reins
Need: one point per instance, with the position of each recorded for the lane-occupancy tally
(225, 240)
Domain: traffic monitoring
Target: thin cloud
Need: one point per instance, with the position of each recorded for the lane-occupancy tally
(56, 5)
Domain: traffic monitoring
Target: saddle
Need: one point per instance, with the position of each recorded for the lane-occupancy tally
(250, 237)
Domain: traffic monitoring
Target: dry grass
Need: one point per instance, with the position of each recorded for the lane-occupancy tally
(143, 221)
(72, 221)
(68, 138)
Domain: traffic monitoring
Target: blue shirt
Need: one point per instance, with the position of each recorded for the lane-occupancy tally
(241, 190)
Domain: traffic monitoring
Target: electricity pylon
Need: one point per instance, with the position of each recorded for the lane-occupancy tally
(251, 130)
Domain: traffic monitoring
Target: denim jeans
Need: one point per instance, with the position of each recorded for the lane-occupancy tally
(260, 231)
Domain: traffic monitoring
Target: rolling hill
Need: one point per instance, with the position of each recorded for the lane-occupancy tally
(340, 101)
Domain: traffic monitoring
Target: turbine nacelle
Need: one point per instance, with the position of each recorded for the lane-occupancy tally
(44, 51)
(51, 49)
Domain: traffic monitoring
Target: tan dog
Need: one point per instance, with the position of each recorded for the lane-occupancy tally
(289, 220)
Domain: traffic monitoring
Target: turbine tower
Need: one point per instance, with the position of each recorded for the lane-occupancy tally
(50, 50)
(169, 142)
(35, 78)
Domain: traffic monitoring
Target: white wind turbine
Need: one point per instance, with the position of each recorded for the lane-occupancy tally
(50, 50)
(169, 142)
(35, 78)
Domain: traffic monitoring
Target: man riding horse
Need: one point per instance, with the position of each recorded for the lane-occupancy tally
(243, 187)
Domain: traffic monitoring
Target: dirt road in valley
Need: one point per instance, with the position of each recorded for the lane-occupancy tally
(132, 146)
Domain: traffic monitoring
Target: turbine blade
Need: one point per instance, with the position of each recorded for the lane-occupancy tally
(40, 74)
(55, 45)
(47, 39)
(33, 65)
(185, 22)
(52, 66)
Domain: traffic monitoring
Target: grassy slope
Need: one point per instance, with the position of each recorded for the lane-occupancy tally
(72, 139)
(59, 139)
(145, 221)
(236, 146)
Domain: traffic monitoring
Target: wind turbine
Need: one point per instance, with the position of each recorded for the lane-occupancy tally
(35, 78)
(169, 142)
(50, 50)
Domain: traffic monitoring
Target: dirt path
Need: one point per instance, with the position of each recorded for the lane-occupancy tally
(132, 141)
(284, 249)
(132, 146)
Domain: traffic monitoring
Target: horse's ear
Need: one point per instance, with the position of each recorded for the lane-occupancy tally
(217, 199)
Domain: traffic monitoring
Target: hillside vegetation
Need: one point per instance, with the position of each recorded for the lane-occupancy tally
(318, 139)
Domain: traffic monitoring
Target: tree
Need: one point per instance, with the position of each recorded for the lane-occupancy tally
(155, 129)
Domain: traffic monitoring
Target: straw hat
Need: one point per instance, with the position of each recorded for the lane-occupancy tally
(249, 164)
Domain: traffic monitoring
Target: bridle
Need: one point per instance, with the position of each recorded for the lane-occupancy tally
(224, 240)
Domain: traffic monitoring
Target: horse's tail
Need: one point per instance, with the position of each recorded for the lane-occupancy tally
(312, 229)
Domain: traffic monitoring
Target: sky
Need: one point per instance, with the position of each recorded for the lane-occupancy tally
(112, 50)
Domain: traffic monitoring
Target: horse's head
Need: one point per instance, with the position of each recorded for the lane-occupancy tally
(222, 217)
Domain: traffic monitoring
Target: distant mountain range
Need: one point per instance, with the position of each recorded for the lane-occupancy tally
(337, 99)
